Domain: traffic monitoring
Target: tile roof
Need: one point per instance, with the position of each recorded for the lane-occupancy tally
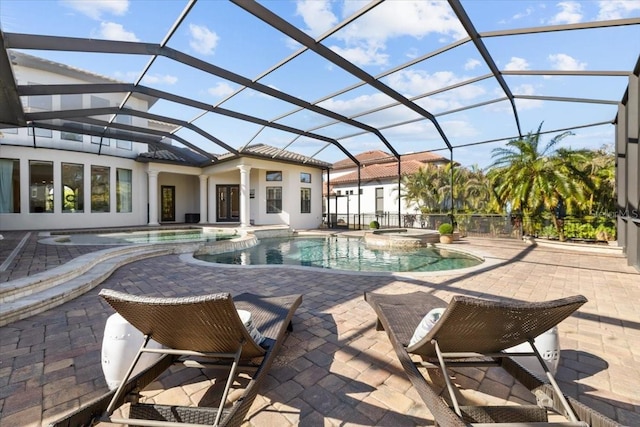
(175, 155)
(374, 156)
(274, 153)
(382, 171)
(188, 157)
(424, 156)
(381, 157)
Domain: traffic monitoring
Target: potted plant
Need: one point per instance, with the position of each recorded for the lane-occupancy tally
(374, 225)
(446, 233)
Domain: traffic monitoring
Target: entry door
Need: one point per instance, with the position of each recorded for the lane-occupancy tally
(168, 203)
(228, 203)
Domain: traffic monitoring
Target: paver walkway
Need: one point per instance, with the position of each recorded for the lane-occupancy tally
(334, 368)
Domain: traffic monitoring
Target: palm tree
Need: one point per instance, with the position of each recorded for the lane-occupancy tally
(471, 189)
(481, 194)
(602, 169)
(535, 179)
(423, 189)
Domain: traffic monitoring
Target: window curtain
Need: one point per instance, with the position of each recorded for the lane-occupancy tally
(6, 186)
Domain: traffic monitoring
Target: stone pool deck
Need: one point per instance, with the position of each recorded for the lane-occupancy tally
(334, 368)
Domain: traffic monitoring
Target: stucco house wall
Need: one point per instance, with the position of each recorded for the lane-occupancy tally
(184, 175)
(186, 193)
(58, 219)
(378, 170)
(228, 173)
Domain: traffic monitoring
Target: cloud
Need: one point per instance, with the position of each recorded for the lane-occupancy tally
(617, 9)
(365, 39)
(417, 82)
(160, 79)
(113, 31)
(561, 61)
(96, 8)
(459, 128)
(411, 83)
(203, 40)
(221, 90)
(407, 133)
(526, 104)
(438, 103)
(570, 13)
(132, 76)
(317, 15)
(128, 76)
(405, 18)
(412, 53)
(524, 89)
(594, 138)
(517, 64)
(291, 43)
(363, 55)
(528, 11)
(472, 64)
(356, 105)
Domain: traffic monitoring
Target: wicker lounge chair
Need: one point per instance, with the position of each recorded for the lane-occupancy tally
(474, 332)
(203, 332)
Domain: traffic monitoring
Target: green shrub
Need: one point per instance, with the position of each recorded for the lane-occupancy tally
(374, 225)
(445, 228)
(586, 231)
(549, 232)
(606, 232)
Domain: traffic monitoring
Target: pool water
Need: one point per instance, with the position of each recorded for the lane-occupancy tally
(343, 253)
(174, 236)
(149, 236)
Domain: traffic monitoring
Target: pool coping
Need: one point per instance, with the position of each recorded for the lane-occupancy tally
(30, 295)
(91, 237)
(487, 260)
(245, 233)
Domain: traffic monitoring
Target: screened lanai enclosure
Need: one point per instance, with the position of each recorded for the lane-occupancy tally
(332, 79)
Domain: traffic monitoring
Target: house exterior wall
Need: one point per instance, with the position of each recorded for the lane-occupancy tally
(341, 172)
(25, 220)
(368, 199)
(291, 186)
(187, 193)
(379, 170)
(58, 147)
(25, 75)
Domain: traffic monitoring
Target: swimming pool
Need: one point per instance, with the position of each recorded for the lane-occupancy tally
(343, 253)
(146, 236)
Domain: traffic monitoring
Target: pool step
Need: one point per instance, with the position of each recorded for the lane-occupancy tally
(10, 291)
(31, 295)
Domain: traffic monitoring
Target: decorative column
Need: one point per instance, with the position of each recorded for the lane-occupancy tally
(203, 198)
(245, 183)
(153, 197)
(212, 201)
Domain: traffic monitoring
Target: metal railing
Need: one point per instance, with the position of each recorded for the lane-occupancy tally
(597, 228)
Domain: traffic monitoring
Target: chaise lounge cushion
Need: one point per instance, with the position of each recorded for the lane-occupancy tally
(247, 320)
(426, 324)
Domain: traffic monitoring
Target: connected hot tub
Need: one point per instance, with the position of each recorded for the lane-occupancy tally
(401, 238)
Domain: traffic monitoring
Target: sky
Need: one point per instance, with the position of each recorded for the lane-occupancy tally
(389, 41)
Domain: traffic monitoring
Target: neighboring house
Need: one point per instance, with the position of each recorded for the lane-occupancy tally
(379, 188)
(52, 179)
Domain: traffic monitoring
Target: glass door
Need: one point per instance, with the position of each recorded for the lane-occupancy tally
(168, 203)
(228, 203)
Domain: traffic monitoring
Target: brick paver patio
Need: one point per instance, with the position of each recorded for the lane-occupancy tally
(334, 368)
